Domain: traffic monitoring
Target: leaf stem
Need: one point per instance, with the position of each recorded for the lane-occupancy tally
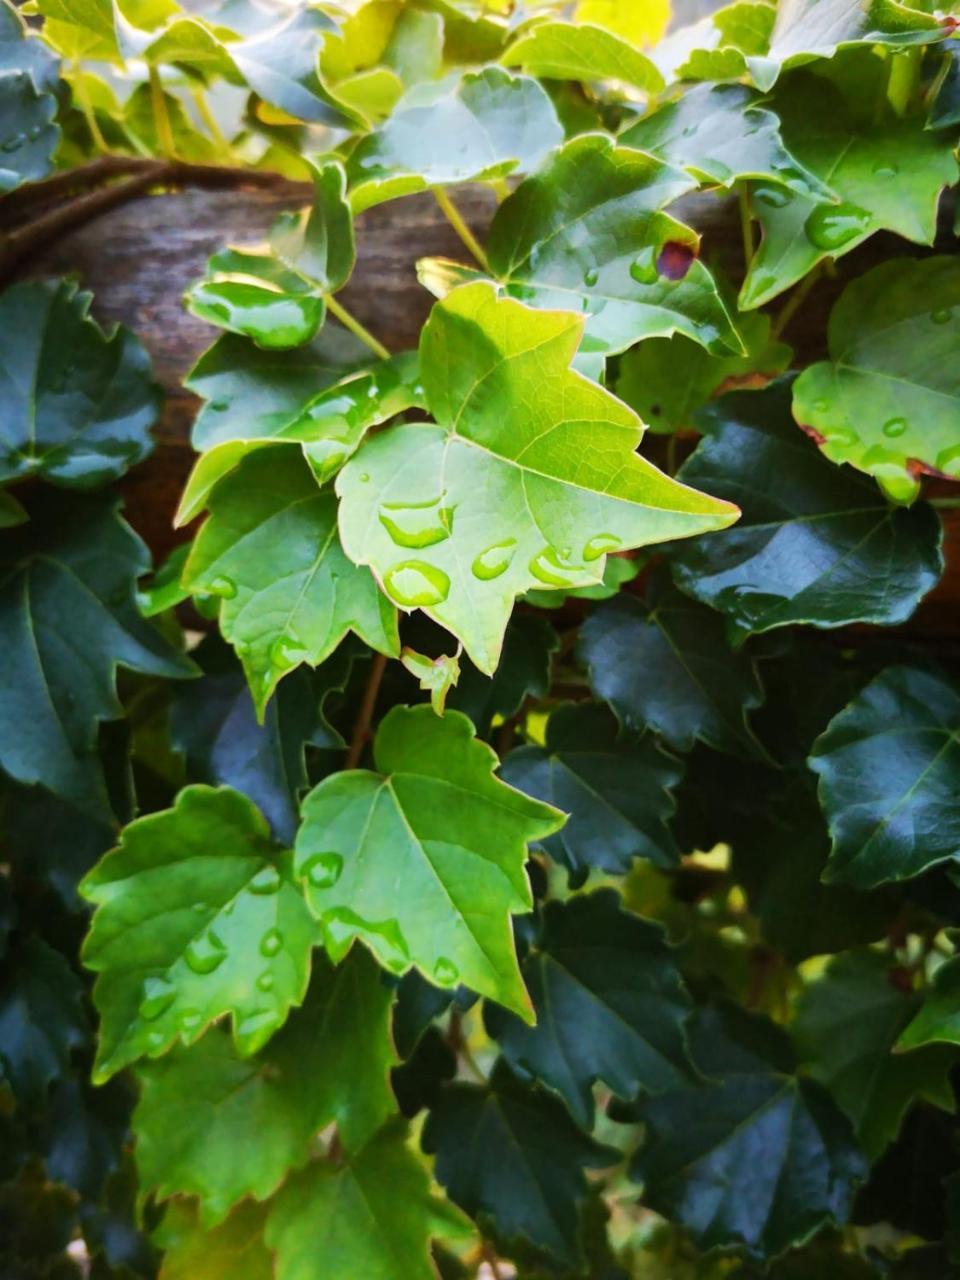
(904, 78)
(210, 121)
(161, 117)
(746, 227)
(361, 729)
(795, 301)
(356, 328)
(945, 504)
(86, 107)
(455, 218)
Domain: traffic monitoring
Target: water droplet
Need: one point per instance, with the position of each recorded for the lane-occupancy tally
(446, 972)
(417, 524)
(494, 561)
(948, 461)
(894, 427)
(364, 477)
(226, 588)
(831, 226)
(885, 170)
(206, 953)
(941, 315)
(590, 277)
(888, 469)
(219, 406)
(271, 943)
(287, 652)
(841, 437)
(190, 1019)
(773, 197)
(325, 459)
(156, 1040)
(600, 545)
(547, 567)
(689, 131)
(413, 583)
(324, 870)
(158, 995)
(821, 406)
(256, 1029)
(199, 907)
(13, 143)
(342, 925)
(266, 881)
(265, 982)
(644, 268)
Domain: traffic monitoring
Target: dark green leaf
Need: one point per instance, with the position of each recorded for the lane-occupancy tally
(42, 1018)
(937, 1021)
(233, 1249)
(28, 79)
(522, 672)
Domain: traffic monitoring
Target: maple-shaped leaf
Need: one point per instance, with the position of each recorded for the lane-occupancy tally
(276, 293)
(28, 81)
(271, 552)
(615, 789)
(888, 767)
(42, 1019)
(845, 1027)
(666, 665)
(510, 490)
(434, 819)
(582, 51)
(68, 619)
(233, 1248)
(757, 1158)
(371, 1217)
(816, 543)
(480, 1133)
(478, 124)
(818, 28)
(887, 171)
(212, 1124)
(78, 402)
(197, 916)
(610, 1006)
(937, 1020)
(886, 401)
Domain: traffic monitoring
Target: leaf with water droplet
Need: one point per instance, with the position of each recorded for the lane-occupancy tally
(435, 820)
(159, 959)
(436, 675)
(516, 468)
(888, 399)
(274, 534)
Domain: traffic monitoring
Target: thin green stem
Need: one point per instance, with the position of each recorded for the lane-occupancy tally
(161, 117)
(945, 504)
(86, 107)
(904, 79)
(455, 218)
(746, 228)
(210, 121)
(356, 328)
(795, 301)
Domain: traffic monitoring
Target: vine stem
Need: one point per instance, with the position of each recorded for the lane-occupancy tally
(356, 328)
(795, 301)
(361, 729)
(86, 108)
(161, 116)
(746, 228)
(455, 218)
(210, 120)
(945, 504)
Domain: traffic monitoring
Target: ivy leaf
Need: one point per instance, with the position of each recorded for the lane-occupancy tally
(887, 766)
(78, 402)
(470, 126)
(886, 401)
(289, 595)
(610, 1006)
(666, 666)
(720, 135)
(28, 78)
(329, 426)
(731, 43)
(68, 618)
(936, 1021)
(197, 916)
(523, 672)
(667, 379)
(500, 497)
(436, 675)
(587, 233)
(887, 171)
(699, 1159)
(478, 1132)
(42, 1019)
(616, 791)
(435, 817)
(818, 28)
(221, 1127)
(369, 1218)
(845, 1027)
(233, 1248)
(816, 543)
(582, 51)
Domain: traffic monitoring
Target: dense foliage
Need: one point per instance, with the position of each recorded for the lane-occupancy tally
(413, 877)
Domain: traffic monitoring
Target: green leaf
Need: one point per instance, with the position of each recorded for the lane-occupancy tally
(232, 1249)
(436, 675)
(945, 108)
(668, 379)
(42, 1019)
(616, 791)
(369, 1218)
(289, 595)
(937, 1021)
(11, 511)
(197, 916)
(887, 171)
(888, 767)
(757, 1159)
(436, 820)
(479, 124)
(588, 233)
(818, 28)
(523, 672)
(508, 491)
(666, 666)
(479, 1134)
(610, 1006)
(68, 618)
(582, 51)
(729, 44)
(221, 1127)
(720, 135)
(28, 80)
(415, 48)
(78, 402)
(845, 1027)
(329, 426)
(816, 543)
(887, 399)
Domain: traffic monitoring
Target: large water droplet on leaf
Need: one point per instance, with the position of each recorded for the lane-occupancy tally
(158, 995)
(419, 524)
(256, 1029)
(223, 587)
(894, 427)
(206, 953)
(190, 1019)
(342, 924)
(600, 545)
(266, 881)
(549, 568)
(831, 226)
(644, 267)
(948, 461)
(590, 277)
(494, 561)
(324, 870)
(287, 652)
(773, 197)
(416, 584)
(265, 982)
(271, 943)
(446, 972)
